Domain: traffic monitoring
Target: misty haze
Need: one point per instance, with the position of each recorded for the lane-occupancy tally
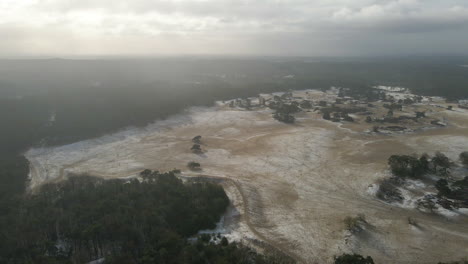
(234, 132)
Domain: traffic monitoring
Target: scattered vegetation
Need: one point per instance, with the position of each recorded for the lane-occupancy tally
(326, 116)
(442, 186)
(464, 158)
(412, 222)
(420, 114)
(393, 107)
(306, 104)
(194, 165)
(196, 148)
(427, 202)
(441, 163)
(455, 262)
(355, 224)
(388, 190)
(414, 167)
(338, 113)
(408, 166)
(451, 193)
(197, 139)
(283, 111)
(284, 117)
(353, 259)
(454, 190)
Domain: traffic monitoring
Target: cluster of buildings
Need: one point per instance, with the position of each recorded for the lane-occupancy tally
(463, 104)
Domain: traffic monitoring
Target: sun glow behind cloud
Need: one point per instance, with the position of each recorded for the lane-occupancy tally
(338, 27)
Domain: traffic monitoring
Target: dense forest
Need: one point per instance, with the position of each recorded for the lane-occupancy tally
(124, 221)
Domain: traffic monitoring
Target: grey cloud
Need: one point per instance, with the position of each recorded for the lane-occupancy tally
(289, 15)
(399, 16)
(303, 27)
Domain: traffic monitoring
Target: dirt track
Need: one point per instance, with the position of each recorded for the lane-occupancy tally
(297, 182)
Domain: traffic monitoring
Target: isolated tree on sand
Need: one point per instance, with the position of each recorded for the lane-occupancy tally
(355, 224)
(194, 165)
(196, 148)
(197, 140)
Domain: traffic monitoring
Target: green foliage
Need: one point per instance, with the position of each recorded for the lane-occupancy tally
(354, 224)
(196, 148)
(284, 117)
(353, 259)
(455, 262)
(424, 162)
(464, 158)
(420, 114)
(283, 112)
(442, 186)
(459, 191)
(194, 165)
(124, 221)
(408, 166)
(306, 104)
(388, 190)
(202, 252)
(93, 218)
(224, 242)
(197, 139)
(441, 161)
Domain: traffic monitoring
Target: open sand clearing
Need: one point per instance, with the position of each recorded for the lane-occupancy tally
(293, 184)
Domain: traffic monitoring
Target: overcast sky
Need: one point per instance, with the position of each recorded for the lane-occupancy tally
(234, 27)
